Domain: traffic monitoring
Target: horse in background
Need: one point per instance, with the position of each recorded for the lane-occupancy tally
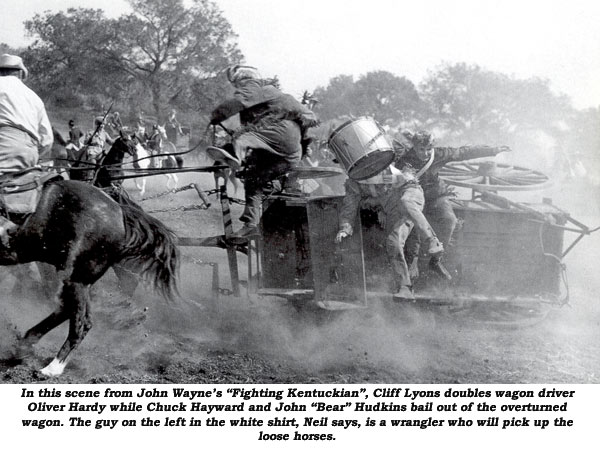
(156, 155)
(109, 167)
(82, 232)
(164, 158)
(142, 161)
(111, 164)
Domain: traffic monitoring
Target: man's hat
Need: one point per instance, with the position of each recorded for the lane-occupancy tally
(13, 62)
(99, 120)
(220, 154)
(238, 72)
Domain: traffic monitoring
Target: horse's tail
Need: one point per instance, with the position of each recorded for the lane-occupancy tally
(151, 247)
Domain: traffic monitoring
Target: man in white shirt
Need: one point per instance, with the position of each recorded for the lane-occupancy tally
(25, 129)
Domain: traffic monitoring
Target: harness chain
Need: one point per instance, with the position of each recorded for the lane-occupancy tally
(202, 206)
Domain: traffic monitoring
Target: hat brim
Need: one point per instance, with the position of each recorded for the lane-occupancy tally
(13, 62)
(217, 154)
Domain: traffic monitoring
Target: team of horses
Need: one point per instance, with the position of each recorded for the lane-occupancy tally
(83, 228)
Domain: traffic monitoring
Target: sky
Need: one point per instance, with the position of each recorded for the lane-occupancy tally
(305, 43)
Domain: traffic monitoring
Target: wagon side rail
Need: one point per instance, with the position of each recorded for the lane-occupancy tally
(569, 224)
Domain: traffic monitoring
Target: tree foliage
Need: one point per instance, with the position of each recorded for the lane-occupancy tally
(170, 48)
(5, 48)
(474, 103)
(153, 58)
(379, 94)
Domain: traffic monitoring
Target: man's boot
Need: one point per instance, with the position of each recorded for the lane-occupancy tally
(434, 247)
(243, 235)
(435, 265)
(404, 294)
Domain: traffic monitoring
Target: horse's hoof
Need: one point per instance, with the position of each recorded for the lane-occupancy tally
(54, 369)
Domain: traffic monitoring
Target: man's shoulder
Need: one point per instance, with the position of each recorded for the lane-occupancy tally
(15, 85)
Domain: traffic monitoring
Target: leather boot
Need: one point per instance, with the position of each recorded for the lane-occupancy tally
(404, 294)
(435, 247)
(244, 234)
(436, 266)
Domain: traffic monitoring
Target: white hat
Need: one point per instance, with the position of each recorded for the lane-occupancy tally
(13, 62)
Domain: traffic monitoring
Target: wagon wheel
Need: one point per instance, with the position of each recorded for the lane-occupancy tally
(492, 176)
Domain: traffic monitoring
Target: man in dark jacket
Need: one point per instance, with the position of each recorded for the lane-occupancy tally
(273, 126)
(417, 150)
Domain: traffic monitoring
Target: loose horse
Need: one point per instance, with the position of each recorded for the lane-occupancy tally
(82, 232)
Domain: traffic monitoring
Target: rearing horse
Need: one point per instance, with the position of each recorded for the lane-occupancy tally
(82, 231)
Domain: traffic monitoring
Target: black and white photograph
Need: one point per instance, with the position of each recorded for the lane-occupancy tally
(315, 192)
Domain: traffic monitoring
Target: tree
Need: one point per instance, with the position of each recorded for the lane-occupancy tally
(67, 57)
(62, 55)
(380, 94)
(387, 97)
(154, 57)
(471, 105)
(5, 48)
(335, 99)
(169, 47)
(475, 104)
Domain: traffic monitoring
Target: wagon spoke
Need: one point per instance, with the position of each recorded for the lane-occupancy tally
(463, 177)
(492, 176)
(499, 180)
(471, 167)
(505, 181)
(454, 170)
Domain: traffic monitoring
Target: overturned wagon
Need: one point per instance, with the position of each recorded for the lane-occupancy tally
(506, 257)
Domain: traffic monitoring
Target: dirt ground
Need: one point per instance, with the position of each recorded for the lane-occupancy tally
(145, 339)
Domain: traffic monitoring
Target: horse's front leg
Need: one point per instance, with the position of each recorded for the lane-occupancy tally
(75, 299)
(25, 346)
(141, 187)
(171, 178)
